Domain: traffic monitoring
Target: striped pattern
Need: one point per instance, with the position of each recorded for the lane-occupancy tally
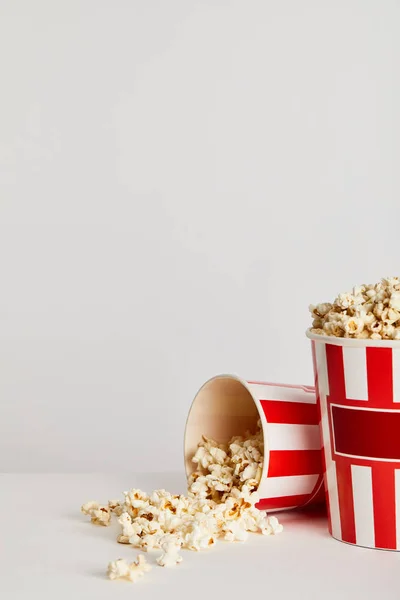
(293, 468)
(359, 401)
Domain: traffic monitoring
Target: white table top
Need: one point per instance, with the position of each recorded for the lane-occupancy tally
(48, 549)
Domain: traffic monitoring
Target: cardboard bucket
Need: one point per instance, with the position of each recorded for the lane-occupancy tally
(358, 394)
(227, 405)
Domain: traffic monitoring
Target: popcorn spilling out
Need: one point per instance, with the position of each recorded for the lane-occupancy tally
(120, 569)
(220, 504)
(368, 311)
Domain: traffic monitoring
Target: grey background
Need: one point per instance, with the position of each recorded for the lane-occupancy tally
(178, 181)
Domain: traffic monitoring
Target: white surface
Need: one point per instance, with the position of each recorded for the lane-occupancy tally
(50, 551)
(178, 180)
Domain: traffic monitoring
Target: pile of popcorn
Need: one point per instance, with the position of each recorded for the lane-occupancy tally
(368, 311)
(220, 504)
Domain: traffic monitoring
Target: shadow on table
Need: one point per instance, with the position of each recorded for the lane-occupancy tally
(317, 515)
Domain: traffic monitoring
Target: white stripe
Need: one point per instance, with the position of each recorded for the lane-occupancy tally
(275, 487)
(293, 437)
(330, 475)
(396, 374)
(397, 505)
(363, 505)
(320, 357)
(286, 394)
(355, 373)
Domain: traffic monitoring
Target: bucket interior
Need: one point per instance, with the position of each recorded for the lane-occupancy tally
(222, 409)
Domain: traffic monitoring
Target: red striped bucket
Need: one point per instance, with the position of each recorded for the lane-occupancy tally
(227, 405)
(358, 393)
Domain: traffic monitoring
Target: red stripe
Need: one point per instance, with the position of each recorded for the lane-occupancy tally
(334, 360)
(366, 462)
(319, 497)
(366, 433)
(380, 377)
(383, 493)
(284, 463)
(294, 413)
(346, 503)
(357, 403)
(282, 502)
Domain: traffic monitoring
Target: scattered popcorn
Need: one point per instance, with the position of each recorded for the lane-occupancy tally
(368, 311)
(171, 546)
(199, 537)
(100, 515)
(115, 507)
(120, 569)
(151, 541)
(122, 539)
(235, 531)
(128, 529)
(275, 525)
(89, 507)
(220, 504)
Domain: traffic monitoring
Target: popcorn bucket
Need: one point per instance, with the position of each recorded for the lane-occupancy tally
(227, 406)
(358, 394)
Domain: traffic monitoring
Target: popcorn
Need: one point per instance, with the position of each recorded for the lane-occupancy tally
(135, 500)
(120, 569)
(151, 541)
(123, 539)
(249, 472)
(368, 311)
(394, 301)
(235, 531)
(275, 525)
(115, 507)
(218, 455)
(170, 557)
(200, 487)
(203, 457)
(100, 515)
(198, 538)
(89, 507)
(353, 325)
(128, 529)
(220, 504)
(375, 336)
(345, 300)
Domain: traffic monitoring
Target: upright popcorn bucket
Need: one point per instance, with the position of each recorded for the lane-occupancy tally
(228, 406)
(358, 395)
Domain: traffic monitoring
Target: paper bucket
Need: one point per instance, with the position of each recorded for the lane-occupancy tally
(227, 405)
(358, 394)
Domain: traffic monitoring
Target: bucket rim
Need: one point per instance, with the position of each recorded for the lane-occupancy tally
(353, 342)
